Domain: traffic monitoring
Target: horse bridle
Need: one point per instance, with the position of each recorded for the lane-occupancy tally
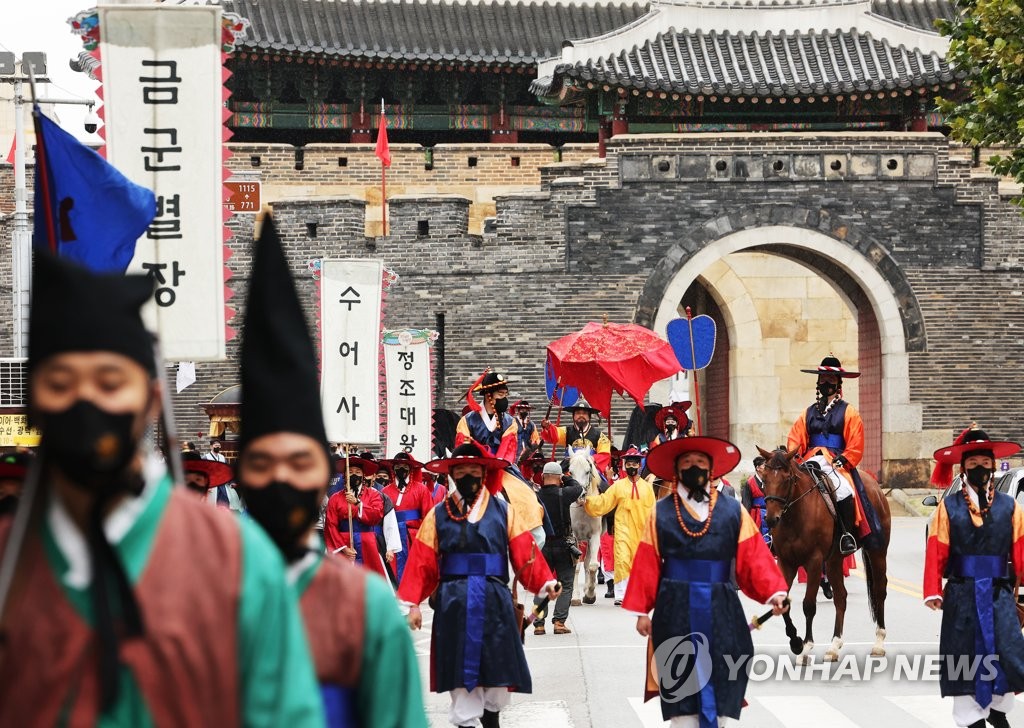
(786, 502)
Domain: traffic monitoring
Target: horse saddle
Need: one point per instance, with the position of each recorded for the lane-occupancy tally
(823, 483)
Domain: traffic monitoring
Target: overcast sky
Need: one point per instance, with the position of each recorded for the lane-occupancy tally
(41, 25)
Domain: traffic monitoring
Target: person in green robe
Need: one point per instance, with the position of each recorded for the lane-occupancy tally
(123, 601)
(362, 650)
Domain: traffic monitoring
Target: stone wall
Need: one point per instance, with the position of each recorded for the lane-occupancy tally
(941, 247)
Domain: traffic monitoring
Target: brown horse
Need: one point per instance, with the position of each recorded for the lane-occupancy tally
(804, 533)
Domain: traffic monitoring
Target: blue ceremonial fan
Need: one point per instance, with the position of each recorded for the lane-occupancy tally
(564, 396)
(692, 340)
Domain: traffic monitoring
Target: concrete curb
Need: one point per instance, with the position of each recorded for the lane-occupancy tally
(910, 500)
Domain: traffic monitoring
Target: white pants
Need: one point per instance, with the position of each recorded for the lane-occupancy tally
(966, 710)
(839, 483)
(467, 706)
(620, 589)
(691, 721)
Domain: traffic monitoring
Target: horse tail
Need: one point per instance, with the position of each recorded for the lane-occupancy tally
(869, 575)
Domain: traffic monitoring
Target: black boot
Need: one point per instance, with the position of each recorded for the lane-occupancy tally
(489, 719)
(826, 588)
(997, 719)
(980, 723)
(847, 517)
(600, 576)
(610, 593)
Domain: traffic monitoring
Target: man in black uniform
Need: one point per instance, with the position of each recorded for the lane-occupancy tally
(560, 550)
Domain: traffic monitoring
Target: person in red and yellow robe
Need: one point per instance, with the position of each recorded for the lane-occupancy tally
(683, 570)
(462, 550)
(976, 542)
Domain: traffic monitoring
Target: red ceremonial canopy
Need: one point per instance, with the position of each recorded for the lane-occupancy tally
(604, 358)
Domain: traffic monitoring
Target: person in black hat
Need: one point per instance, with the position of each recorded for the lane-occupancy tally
(463, 550)
(412, 501)
(489, 425)
(581, 434)
(976, 542)
(528, 437)
(139, 599)
(830, 434)
(361, 648)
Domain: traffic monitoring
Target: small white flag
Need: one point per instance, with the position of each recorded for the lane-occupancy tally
(186, 375)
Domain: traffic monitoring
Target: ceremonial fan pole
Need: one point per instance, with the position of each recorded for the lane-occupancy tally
(693, 358)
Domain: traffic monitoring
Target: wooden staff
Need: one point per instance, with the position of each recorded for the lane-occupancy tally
(348, 489)
(558, 418)
(693, 358)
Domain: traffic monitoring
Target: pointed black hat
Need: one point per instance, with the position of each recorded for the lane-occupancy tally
(75, 309)
(280, 383)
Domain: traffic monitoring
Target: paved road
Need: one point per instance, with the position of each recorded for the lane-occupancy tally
(594, 677)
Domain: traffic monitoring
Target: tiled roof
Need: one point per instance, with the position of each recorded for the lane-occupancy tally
(413, 30)
(756, 64)
(916, 13)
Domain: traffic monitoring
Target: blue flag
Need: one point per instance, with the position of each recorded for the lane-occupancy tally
(85, 210)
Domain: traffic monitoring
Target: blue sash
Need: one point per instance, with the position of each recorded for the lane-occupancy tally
(339, 706)
(983, 569)
(475, 568)
(835, 443)
(701, 575)
(357, 543)
(403, 518)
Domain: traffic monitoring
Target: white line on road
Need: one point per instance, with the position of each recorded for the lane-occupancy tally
(648, 713)
(804, 712)
(932, 710)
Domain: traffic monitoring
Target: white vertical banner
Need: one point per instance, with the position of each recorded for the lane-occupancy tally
(410, 408)
(163, 107)
(350, 308)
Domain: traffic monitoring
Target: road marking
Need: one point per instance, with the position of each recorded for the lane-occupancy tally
(894, 585)
(932, 710)
(649, 713)
(804, 712)
(527, 714)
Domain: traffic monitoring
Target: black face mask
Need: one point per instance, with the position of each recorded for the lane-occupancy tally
(468, 485)
(402, 476)
(694, 479)
(827, 389)
(978, 476)
(91, 446)
(355, 482)
(501, 405)
(285, 512)
(381, 483)
(670, 427)
(632, 470)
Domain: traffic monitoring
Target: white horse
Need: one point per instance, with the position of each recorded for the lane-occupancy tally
(586, 528)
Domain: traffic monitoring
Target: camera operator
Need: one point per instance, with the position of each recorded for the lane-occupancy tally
(557, 493)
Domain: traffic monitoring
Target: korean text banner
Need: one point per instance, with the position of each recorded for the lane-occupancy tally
(409, 414)
(163, 98)
(350, 303)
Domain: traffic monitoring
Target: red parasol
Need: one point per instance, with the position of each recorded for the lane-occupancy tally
(604, 358)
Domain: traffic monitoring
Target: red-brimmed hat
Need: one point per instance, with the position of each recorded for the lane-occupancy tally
(369, 467)
(467, 453)
(632, 452)
(661, 459)
(677, 410)
(970, 441)
(217, 473)
(832, 365)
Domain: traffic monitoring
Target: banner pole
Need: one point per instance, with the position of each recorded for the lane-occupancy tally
(693, 358)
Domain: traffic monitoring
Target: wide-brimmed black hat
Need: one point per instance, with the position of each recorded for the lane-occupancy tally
(832, 365)
(490, 382)
(582, 404)
(280, 381)
(75, 309)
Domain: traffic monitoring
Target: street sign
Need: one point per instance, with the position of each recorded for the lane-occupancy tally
(245, 196)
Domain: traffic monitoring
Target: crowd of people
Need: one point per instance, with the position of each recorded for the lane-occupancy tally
(126, 600)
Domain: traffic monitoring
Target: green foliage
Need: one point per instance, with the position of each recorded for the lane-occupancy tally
(987, 50)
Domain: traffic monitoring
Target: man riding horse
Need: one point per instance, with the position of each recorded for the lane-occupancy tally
(830, 435)
(581, 434)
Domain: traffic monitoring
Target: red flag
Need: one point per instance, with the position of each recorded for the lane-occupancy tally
(10, 155)
(383, 151)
